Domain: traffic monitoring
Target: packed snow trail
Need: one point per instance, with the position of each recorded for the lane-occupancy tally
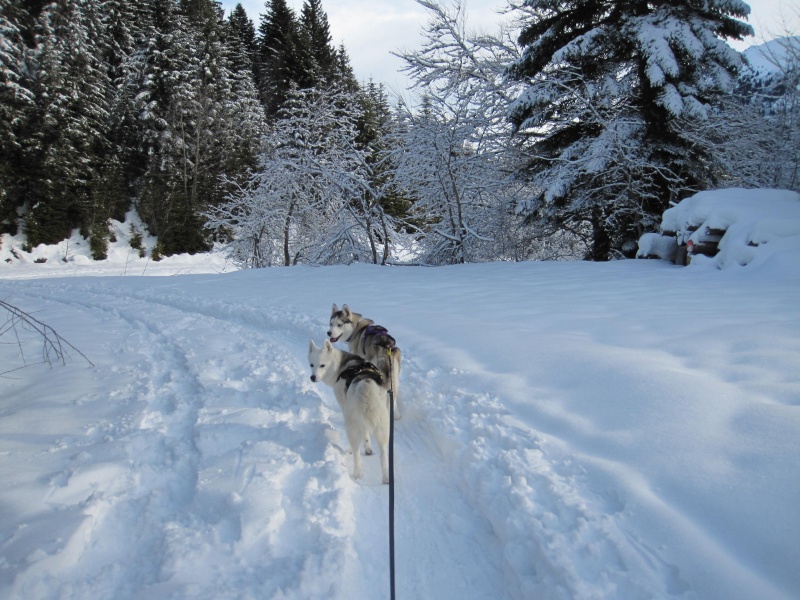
(231, 453)
(548, 449)
(235, 474)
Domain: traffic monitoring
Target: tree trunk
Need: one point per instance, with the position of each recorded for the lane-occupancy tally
(287, 259)
(601, 241)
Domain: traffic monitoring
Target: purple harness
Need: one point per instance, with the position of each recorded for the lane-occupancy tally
(384, 341)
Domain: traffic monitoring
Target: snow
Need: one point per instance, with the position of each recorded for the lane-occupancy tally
(570, 431)
(73, 256)
(761, 226)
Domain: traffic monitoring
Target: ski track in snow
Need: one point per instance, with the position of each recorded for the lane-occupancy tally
(237, 477)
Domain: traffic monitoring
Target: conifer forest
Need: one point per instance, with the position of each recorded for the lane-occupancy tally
(565, 134)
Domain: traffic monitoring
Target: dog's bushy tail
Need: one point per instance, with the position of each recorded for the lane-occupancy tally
(389, 362)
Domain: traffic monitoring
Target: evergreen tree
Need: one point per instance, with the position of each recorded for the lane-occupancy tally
(16, 101)
(316, 37)
(614, 90)
(67, 139)
(280, 64)
(123, 26)
(244, 117)
(244, 31)
(202, 13)
(199, 121)
(345, 76)
(376, 127)
(120, 31)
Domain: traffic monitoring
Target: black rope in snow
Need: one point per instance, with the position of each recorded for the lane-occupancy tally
(391, 491)
(391, 477)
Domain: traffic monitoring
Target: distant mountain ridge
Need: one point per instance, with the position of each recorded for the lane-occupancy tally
(771, 57)
(769, 63)
(770, 77)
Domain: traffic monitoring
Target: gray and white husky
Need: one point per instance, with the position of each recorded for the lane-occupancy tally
(358, 387)
(370, 341)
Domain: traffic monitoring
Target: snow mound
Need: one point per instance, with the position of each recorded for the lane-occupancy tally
(761, 227)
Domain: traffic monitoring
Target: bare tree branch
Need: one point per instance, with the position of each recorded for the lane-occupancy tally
(54, 347)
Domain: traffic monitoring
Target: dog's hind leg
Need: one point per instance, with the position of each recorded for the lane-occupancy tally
(383, 442)
(356, 430)
(355, 443)
(380, 430)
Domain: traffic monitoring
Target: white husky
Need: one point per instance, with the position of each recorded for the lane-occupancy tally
(358, 388)
(369, 341)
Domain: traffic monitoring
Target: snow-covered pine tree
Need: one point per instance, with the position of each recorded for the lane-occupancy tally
(243, 115)
(376, 127)
(198, 121)
(69, 126)
(280, 64)
(121, 29)
(165, 61)
(128, 130)
(16, 100)
(242, 27)
(345, 76)
(316, 45)
(111, 192)
(613, 88)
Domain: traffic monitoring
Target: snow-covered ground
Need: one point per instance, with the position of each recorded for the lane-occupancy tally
(625, 430)
(73, 256)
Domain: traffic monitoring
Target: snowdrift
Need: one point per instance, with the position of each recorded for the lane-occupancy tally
(743, 226)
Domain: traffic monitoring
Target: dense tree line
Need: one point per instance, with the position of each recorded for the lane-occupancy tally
(565, 134)
(159, 103)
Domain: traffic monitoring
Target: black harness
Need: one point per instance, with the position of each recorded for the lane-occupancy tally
(359, 371)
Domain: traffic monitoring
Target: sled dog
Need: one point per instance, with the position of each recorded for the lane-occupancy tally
(369, 341)
(358, 387)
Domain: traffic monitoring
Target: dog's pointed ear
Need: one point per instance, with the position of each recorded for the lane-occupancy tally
(334, 310)
(327, 345)
(346, 310)
(312, 347)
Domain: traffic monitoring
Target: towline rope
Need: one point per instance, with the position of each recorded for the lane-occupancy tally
(391, 477)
